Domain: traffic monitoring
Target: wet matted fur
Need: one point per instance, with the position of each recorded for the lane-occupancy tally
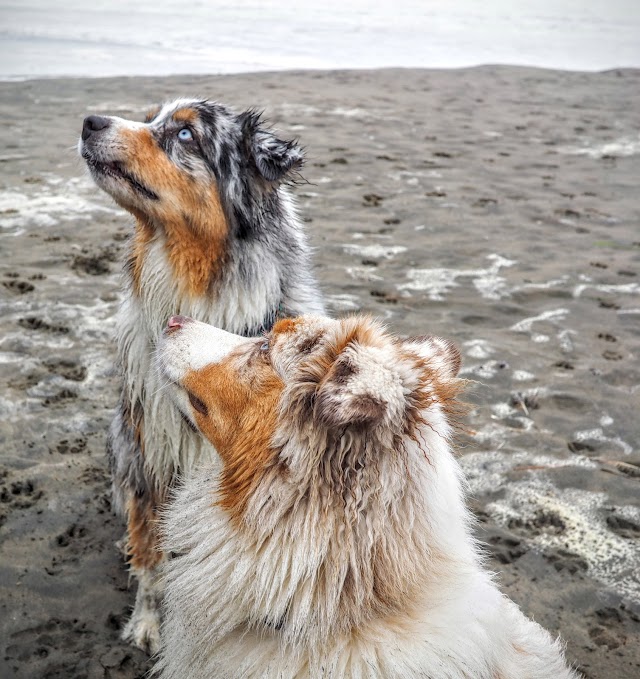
(216, 237)
(335, 541)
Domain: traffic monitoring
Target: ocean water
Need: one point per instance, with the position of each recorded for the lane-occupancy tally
(46, 38)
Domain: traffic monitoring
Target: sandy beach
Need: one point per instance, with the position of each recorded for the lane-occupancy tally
(497, 206)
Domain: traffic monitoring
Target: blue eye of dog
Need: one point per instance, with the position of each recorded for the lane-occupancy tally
(265, 345)
(185, 134)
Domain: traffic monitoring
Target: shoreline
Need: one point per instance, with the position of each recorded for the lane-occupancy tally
(291, 71)
(493, 205)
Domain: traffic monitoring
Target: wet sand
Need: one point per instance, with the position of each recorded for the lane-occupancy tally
(496, 206)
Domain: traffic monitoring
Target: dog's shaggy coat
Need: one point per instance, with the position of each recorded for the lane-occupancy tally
(216, 237)
(334, 542)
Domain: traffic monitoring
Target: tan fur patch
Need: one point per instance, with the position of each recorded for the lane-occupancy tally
(240, 422)
(197, 257)
(143, 235)
(134, 417)
(142, 532)
(361, 330)
(152, 114)
(142, 538)
(435, 388)
(351, 330)
(447, 393)
(185, 115)
(286, 325)
(189, 212)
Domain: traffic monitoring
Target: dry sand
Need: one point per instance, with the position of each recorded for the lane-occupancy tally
(495, 206)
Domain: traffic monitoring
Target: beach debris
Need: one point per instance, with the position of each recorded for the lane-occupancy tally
(524, 401)
(625, 468)
(372, 200)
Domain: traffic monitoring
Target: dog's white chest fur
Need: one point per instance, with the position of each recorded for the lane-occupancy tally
(238, 303)
(228, 594)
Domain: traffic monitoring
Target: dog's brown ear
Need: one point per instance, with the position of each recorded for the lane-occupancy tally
(441, 354)
(273, 158)
(356, 391)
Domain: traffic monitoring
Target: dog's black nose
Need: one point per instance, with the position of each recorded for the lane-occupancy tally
(94, 124)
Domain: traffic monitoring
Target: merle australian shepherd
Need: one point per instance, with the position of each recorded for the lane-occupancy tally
(334, 542)
(216, 237)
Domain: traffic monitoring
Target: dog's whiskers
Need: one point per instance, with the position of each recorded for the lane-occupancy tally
(161, 388)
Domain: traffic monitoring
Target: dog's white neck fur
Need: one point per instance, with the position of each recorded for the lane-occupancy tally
(239, 303)
(263, 598)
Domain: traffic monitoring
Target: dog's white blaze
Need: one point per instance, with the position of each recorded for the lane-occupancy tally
(123, 124)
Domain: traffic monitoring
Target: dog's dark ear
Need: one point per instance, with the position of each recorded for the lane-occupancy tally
(274, 158)
(441, 355)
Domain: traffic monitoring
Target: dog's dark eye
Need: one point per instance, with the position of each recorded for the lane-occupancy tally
(197, 404)
(185, 134)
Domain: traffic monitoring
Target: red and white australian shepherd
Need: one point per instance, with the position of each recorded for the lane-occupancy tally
(216, 237)
(333, 540)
